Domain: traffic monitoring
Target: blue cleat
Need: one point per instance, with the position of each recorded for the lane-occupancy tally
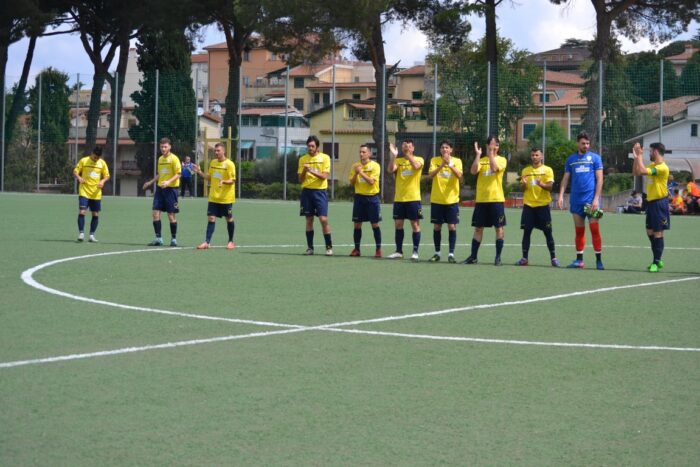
(576, 264)
(599, 265)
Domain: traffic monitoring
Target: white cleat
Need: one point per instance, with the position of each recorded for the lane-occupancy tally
(395, 255)
(92, 239)
(414, 256)
(81, 237)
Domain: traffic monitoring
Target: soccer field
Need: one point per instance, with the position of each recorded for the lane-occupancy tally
(115, 353)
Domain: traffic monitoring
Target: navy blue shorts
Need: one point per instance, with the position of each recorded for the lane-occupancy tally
(444, 213)
(165, 199)
(220, 210)
(313, 203)
(95, 205)
(658, 217)
(489, 215)
(536, 218)
(366, 209)
(411, 210)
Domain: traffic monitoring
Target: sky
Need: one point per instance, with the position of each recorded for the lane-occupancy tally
(535, 25)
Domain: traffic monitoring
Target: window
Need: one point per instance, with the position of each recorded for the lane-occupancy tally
(317, 98)
(328, 149)
(246, 81)
(326, 98)
(272, 121)
(246, 56)
(298, 83)
(390, 95)
(546, 97)
(249, 120)
(356, 97)
(527, 129)
(694, 129)
(299, 104)
(417, 95)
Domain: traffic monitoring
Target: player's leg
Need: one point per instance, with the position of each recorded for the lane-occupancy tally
(95, 208)
(580, 236)
(82, 208)
(211, 226)
(549, 237)
(415, 234)
(451, 241)
(526, 225)
(399, 216)
(321, 206)
(596, 239)
(230, 226)
(377, 232)
(306, 209)
(309, 235)
(375, 216)
(155, 214)
(436, 218)
(356, 238)
(498, 221)
(358, 216)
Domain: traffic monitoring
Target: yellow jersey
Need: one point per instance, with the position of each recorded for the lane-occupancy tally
(320, 162)
(657, 186)
(168, 166)
(92, 172)
(371, 169)
(445, 188)
(408, 180)
(489, 184)
(534, 195)
(219, 171)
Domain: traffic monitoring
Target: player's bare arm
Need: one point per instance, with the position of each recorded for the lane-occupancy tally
(562, 189)
(475, 165)
(393, 167)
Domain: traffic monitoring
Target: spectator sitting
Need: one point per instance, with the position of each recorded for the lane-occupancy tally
(634, 204)
(692, 197)
(677, 205)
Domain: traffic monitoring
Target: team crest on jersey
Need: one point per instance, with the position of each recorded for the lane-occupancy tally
(588, 158)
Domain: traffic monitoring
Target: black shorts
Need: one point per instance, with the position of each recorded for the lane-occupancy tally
(539, 217)
(220, 210)
(313, 203)
(444, 213)
(366, 208)
(658, 217)
(411, 210)
(489, 215)
(165, 199)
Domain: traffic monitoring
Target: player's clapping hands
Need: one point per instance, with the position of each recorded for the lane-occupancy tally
(477, 149)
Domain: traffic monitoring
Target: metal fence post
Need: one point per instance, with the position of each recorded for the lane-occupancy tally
(38, 139)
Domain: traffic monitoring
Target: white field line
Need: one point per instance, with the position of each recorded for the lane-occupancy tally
(334, 327)
(27, 277)
(168, 345)
(515, 342)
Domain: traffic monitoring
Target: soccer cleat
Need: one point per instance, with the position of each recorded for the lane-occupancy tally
(660, 264)
(81, 236)
(497, 261)
(156, 242)
(599, 265)
(395, 255)
(653, 267)
(522, 262)
(92, 239)
(355, 252)
(329, 251)
(556, 263)
(414, 256)
(203, 246)
(435, 258)
(470, 260)
(576, 264)
(173, 242)
(309, 252)
(451, 259)
(230, 246)
(378, 253)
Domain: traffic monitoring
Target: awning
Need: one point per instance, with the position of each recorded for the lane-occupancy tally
(247, 144)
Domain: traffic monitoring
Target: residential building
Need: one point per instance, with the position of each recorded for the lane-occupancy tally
(681, 135)
(563, 59)
(679, 61)
(263, 130)
(564, 104)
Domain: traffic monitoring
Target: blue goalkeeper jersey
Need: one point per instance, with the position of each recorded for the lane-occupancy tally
(581, 169)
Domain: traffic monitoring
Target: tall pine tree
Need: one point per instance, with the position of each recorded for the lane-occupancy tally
(169, 52)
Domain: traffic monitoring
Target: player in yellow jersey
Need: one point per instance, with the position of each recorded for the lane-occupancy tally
(489, 207)
(222, 194)
(446, 172)
(408, 169)
(92, 173)
(165, 197)
(314, 170)
(536, 183)
(364, 177)
(658, 217)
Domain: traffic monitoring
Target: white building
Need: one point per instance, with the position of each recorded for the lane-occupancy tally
(681, 138)
(263, 128)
